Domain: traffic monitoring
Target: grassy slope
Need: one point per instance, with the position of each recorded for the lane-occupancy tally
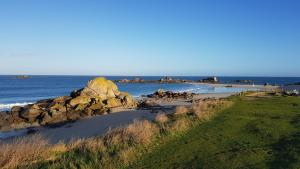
(260, 133)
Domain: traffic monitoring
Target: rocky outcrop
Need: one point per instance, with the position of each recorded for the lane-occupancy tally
(161, 94)
(291, 92)
(213, 79)
(135, 80)
(244, 81)
(99, 97)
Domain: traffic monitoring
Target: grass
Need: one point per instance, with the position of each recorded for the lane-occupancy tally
(257, 132)
(21, 151)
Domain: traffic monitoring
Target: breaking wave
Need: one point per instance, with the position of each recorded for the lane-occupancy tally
(10, 105)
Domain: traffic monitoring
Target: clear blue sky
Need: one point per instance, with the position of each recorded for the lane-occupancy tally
(150, 37)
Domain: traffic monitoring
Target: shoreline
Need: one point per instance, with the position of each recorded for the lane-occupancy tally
(101, 124)
(8, 106)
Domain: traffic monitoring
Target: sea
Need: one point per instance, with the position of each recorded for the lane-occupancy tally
(21, 91)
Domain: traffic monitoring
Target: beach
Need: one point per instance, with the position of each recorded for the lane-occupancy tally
(99, 125)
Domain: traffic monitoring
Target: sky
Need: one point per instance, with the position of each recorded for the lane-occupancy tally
(150, 37)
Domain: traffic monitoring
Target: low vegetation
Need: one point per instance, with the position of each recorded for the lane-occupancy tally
(258, 131)
(117, 149)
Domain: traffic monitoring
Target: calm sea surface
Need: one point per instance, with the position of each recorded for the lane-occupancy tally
(14, 91)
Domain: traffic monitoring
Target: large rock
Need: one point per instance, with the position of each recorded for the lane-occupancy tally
(31, 113)
(80, 100)
(4, 119)
(113, 103)
(57, 106)
(102, 88)
(127, 100)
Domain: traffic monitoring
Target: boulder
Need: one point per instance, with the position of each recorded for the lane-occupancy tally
(4, 119)
(62, 99)
(57, 117)
(45, 119)
(82, 99)
(73, 115)
(80, 107)
(102, 88)
(113, 103)
(31, 113)
(100, 111)
(127, 100)
(16, 109)
(58, 107)
(96, 106)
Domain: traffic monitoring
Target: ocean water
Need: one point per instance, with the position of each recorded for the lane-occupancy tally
(14, 91)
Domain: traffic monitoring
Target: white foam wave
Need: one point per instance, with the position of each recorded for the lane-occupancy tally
(10, 105)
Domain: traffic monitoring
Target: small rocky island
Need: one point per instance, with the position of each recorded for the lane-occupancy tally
(22, 77)
(99, 97)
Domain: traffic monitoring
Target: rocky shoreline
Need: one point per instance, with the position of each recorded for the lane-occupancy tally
(99, 97)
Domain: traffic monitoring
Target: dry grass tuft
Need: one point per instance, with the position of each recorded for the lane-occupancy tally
(180, 110)
(92, 144)
(201, 110)
(204, 110)
(23, 151)
(140, 132)
(127, 155)
(59, 148)
(180, 125)
(161, 118)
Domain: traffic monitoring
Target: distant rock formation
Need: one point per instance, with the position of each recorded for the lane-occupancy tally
(213, 79)
(161, 94)
(166, 79)
(244, 81)
(22, 77)
(135, 80)
(97, 98)
(294, 92)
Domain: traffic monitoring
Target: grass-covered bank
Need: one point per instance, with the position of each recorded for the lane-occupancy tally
(257, 132)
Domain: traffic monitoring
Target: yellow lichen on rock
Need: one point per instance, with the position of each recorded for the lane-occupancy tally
(102, 88)
(80, 100)
(113, 102)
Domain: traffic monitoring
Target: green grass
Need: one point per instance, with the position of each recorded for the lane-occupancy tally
(254, 133)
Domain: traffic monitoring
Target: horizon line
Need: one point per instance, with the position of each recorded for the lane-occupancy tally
(152, 75)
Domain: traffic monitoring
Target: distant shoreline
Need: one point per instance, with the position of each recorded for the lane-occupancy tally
(247, 86)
